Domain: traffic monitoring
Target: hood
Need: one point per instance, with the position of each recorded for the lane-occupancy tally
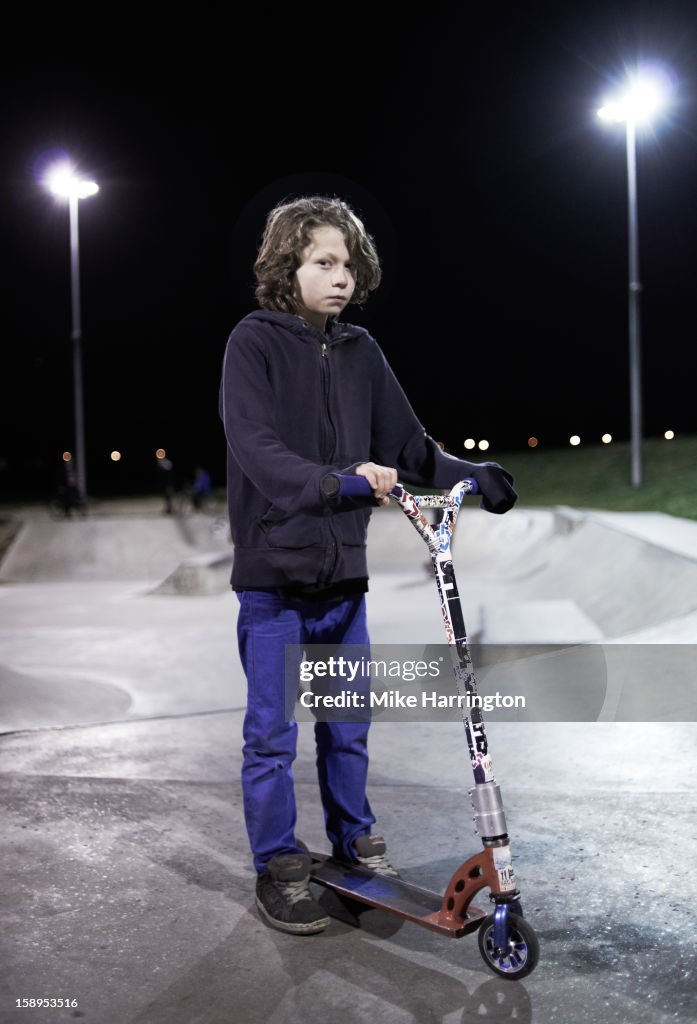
(338, 331)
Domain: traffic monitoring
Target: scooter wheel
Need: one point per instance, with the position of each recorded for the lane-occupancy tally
(520, 956)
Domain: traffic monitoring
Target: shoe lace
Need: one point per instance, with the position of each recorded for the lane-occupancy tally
(294, 891)
(378, 862)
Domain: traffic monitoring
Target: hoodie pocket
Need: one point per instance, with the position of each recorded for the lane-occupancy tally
(351, 527)
(284, 531)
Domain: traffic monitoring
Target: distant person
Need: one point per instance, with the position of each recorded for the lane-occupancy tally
(165, 470)
(201, 489)
(305, 395)
(69, 491)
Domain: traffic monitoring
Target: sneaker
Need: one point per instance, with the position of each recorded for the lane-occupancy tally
(371, 851)
(284, 899)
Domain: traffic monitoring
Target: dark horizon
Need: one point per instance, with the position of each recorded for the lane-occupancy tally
(470, 147)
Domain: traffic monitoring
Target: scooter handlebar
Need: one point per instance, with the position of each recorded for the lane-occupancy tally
(344, 485)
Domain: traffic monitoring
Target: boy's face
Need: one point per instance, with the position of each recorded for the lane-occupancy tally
(325, 276)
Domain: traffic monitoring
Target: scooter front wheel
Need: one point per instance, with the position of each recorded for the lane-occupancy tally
(520, 955)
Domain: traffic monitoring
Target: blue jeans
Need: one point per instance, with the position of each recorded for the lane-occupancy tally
(266, 623)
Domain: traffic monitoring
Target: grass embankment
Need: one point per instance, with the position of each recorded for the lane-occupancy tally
(599, 476)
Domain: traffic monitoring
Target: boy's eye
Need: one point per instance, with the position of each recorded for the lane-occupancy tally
(351, 267)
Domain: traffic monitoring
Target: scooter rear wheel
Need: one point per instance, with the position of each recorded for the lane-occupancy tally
(520, 956)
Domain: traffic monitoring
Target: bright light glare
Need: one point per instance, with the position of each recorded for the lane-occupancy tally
(611, 112)
(470, 442)
(160, 453)
(483, 445)
(62, 181)
(574, 440)
(115, 456)
(669, 435)
(644, 96)
(606, 438)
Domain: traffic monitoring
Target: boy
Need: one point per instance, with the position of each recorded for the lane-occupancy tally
(304, 395)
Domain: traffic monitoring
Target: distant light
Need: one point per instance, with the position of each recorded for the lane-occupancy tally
(669, 435)
(533, 442)
(483, 445)
(160, 453)
(470, 442)
(574, 440)
(67, 457)
(646, 93)
(115, 456)
(606, 438)
(62, 181)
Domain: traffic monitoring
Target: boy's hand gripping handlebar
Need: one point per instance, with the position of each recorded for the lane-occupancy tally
(342, 485)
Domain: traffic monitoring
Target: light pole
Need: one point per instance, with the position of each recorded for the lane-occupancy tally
(641, 99)
(64, 183)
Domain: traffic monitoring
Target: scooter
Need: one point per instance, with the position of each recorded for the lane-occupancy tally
(507, 942)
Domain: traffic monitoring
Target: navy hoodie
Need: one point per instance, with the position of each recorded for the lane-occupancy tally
(297, 404)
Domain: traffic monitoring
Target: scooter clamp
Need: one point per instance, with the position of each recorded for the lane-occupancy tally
(489, 819)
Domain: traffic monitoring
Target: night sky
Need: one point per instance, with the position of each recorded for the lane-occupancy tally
(468, 142)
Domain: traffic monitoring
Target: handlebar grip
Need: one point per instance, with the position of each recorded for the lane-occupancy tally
(344, 485)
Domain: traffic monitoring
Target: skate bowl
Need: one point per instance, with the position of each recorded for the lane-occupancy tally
(588, 615)
(621, 574)
(119, 548)
(559, 574)
(534, 575)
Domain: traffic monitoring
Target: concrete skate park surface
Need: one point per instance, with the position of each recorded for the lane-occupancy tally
(128, 884)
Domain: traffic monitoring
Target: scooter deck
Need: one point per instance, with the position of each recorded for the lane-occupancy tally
(393, 895)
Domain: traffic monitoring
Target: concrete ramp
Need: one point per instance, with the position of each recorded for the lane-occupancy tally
(577, 576)
(144, 548)
(536, 575)
(622, 581)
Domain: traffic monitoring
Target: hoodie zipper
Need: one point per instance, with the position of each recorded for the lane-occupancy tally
(331, 432)
(331, 438)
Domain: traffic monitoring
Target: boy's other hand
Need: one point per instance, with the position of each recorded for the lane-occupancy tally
(495, 487)
(381, 478)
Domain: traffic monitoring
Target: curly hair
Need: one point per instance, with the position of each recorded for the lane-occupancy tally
(288, 231)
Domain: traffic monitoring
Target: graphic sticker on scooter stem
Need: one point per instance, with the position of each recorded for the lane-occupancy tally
(504, 866)
(443, 537)
(483, 768)
(447, 591)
